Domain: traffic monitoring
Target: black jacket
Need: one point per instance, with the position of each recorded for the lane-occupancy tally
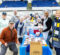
(48, 24)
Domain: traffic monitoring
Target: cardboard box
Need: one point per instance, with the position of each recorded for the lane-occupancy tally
(35, 48)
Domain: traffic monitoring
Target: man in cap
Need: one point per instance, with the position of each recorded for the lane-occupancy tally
(3, 21)
(9, 39)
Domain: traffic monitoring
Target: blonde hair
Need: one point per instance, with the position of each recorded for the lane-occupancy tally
(57, 13)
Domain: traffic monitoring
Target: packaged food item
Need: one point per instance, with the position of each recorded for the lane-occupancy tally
(34, 39)
(31, 35)
(44, 43)
(25, 43)
(37, 33)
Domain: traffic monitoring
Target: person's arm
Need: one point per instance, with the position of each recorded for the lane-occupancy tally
(23, 28)
(48, 24)
(36, 24)
(16, 25)
(2, 37)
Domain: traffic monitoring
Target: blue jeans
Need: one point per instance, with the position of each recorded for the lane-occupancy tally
(48, 42)
(48, 38)
(57, 51)
(12, 47)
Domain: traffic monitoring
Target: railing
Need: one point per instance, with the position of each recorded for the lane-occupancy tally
(26, 0)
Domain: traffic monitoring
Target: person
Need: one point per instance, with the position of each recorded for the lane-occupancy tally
(47, 23)
(3, 21)
(9, 39)
(28, 19)
(32, 20)
(36, 17)
(56, 33)
(38, 22)
(19, 27)
(15, 18)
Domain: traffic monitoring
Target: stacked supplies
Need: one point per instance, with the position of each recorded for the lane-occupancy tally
(31, 38)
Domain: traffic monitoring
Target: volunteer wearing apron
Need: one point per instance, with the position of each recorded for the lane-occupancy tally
(46, 25)
(19, 26)
(56, 33)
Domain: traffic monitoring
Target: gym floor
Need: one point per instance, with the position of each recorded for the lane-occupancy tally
(10, 53)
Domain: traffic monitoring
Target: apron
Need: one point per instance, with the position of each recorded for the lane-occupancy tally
(18, 29)
(45, 34)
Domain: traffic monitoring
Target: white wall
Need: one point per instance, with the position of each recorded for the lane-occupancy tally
(20, 13)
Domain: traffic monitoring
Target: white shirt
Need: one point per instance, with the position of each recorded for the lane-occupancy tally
(3, 24)
(45, 34)
(15, 18)
(44, 24)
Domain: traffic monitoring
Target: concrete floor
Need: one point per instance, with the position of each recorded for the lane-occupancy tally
(54, 53)
(10, 53)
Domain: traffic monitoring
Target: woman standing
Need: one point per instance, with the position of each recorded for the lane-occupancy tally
(19, 27)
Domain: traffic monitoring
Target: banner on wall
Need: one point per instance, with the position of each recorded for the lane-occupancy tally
(30, 0)
(1, 1)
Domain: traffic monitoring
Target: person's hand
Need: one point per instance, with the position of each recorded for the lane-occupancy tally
(6, 44)
(41, 30)
(18, 43)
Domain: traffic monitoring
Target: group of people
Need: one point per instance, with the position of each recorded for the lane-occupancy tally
(12, 30)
